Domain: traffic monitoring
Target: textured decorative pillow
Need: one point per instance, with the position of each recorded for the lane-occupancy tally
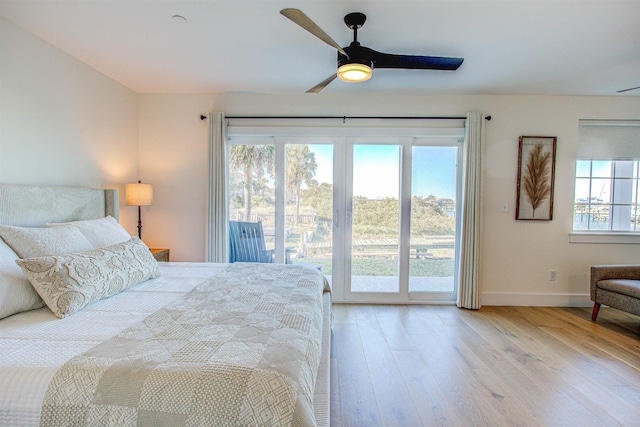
(68, 283)
(36, 242)
(16, 293)
(101, 232)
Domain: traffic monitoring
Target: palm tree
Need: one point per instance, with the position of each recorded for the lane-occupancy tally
(301, 167)
(251, 159)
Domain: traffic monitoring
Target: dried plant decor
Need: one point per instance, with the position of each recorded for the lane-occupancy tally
(536, 171)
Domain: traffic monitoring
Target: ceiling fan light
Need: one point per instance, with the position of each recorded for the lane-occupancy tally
(354, 73)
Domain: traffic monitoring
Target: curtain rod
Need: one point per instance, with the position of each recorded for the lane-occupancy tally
(202, 117)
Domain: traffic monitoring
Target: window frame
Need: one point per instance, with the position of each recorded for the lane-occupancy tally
(608, 140)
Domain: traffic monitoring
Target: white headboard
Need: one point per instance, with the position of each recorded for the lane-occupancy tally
(36, 205)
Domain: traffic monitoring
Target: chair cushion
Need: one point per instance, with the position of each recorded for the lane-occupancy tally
(621, 286)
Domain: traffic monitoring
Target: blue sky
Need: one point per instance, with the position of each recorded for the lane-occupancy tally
(376, 170)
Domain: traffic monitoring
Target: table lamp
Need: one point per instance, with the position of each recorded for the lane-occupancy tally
(139, 194)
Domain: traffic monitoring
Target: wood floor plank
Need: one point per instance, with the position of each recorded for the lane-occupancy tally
(391, 321)
(459, 389)
(507, 359)
(599, 352)
(334, 398)
(431, 404)
(357, 397)
(394, 400)
(557, 365)
(491, 389)
(498, 366)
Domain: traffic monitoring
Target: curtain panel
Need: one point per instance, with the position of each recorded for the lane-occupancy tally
(468, 289)
(217, 239)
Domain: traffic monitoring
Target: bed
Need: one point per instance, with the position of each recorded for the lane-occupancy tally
(148, 343)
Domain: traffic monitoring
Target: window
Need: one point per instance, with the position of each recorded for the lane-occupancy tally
(606, 196)
(607, 174)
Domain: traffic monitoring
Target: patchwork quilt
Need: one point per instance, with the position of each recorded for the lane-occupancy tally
(243, 348)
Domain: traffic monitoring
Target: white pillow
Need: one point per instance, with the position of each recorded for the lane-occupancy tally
(35, 242)
(101, 232)
(16, 293)
(70, 282)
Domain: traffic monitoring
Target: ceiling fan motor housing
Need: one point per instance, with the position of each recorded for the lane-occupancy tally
(357, 54)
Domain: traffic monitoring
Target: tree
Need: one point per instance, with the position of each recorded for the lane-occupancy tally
(320, 198)
(301, 167)
(251, 159)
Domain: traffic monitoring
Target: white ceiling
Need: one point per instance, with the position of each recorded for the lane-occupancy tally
(565, 47)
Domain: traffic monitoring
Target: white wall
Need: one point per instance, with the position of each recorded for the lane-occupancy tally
(62, 122)
(516, 256)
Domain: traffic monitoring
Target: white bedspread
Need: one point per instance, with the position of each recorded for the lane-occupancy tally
(28, 340)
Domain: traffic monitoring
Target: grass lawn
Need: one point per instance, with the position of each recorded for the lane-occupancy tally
(389, 267)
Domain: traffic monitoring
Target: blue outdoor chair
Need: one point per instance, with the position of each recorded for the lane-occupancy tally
(246, 243)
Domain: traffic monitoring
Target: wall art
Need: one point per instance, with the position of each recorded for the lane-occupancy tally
(536, 172)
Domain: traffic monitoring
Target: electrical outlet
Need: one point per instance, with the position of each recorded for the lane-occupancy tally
(505, 207)
(552, 275)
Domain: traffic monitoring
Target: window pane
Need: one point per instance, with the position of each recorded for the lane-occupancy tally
(309, 205)
(621, 217)
(375, 218)
(600, 191)
(433, 221)
(582, 190)
(599, 217)
(601, 169)
(251, 189)
(583, 169)
(580, 217)
(622, 191)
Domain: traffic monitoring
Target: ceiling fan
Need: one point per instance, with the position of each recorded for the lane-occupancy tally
(356, 62)
(627, 90)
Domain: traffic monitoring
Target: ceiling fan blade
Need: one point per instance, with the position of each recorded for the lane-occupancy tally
(387, 60)
(298, 17)
(627, 90)
(317, 88)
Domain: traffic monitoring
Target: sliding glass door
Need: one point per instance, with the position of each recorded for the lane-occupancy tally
(400, 205)
(377, 215)
(375, 218)
(285, 184)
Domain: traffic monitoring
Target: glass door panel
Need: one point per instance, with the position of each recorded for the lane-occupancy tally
(251, 186)
(374, 218)
(309, 205)
(433, 219)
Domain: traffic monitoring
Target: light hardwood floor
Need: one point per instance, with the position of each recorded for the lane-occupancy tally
(498, 366)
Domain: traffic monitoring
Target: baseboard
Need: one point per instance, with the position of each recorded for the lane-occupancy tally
(536, 300)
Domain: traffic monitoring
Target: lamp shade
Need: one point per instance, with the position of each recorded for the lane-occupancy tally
(138, 194)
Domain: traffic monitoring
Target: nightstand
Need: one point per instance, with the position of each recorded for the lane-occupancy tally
(160, 254)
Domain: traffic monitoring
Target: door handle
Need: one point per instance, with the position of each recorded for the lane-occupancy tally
(349, 217)
(336, 216)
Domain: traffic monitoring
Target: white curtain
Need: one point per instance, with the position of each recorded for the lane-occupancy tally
(468, 289)
(217, 240)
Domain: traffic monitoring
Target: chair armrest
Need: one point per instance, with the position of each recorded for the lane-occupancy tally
(268, 255)
(605, 272)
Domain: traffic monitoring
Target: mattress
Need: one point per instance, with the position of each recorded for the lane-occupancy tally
(34, 344)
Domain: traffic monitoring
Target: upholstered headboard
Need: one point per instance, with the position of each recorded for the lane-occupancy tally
(36, 205)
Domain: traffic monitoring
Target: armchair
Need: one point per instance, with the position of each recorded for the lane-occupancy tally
(617, 286)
